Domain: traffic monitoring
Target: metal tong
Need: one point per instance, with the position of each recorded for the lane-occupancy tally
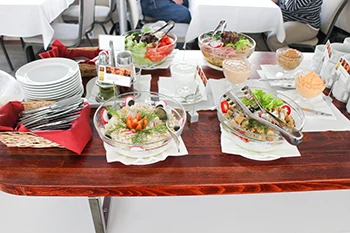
(169, 23)
(290, 134)
(220, 28)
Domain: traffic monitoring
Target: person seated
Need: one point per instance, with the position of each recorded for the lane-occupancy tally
(176, 10)
(301, 22)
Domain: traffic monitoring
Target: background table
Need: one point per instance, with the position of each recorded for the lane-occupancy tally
(252, 16)
(24, 18)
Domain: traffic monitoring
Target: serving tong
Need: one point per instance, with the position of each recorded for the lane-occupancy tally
(290, 134)
(220, 28)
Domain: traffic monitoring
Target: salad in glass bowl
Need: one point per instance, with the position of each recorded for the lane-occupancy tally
(131, 125)
(249, 133)
(149, 49)
(220, 46)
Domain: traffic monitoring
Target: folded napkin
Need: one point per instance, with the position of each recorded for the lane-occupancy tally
(283, 151)
(166, 87)
(112, 155)
(58, 49)
(143, 83)
(74, 139)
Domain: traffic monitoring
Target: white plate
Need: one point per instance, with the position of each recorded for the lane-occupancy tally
(47, 71)
(58, 92)
(212, 66)
(79, 91)
(69, 80)
(52, 89)
(113, 155)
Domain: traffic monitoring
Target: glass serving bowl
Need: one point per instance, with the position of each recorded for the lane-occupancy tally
(289, 59)
(149, 142)
(216, 56)
(149, 55)
(253, 141)
(309, 85)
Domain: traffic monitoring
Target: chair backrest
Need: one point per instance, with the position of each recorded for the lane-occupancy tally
(133, 13)
(330, 12)
(87, 16)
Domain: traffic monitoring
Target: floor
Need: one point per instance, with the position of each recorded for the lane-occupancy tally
(310, 212)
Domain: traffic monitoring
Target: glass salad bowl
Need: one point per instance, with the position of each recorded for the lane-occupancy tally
(130, 124)
(248, 133)
(149, 50)
(228, 45)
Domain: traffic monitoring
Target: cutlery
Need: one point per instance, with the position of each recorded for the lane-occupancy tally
(317, 112)
(163, 116)
(275, 79)
(59, 124)
(55, 106)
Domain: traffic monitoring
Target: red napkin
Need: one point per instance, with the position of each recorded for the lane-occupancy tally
(74, 139)
(60, 50)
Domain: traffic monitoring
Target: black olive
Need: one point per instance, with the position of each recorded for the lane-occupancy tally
(131, 102)
(251, 109)
(176, 128)
(109, 115)
(108, 136)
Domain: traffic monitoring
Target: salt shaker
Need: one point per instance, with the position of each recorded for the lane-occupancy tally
(124, 61)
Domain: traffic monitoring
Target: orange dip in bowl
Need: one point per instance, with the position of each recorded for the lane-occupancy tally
(309, 85)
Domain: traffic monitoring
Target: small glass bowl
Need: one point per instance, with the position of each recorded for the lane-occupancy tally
(309, 89)
(288, 59)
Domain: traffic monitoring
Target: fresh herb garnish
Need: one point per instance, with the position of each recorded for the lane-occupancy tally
(112, 111)
(139, 138)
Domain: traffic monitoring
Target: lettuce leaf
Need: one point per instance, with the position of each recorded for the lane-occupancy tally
(267, 100)
(241, 43)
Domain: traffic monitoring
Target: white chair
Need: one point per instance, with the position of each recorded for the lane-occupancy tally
(69, 34)
(103, 14)
(2, 45)
(330, 12)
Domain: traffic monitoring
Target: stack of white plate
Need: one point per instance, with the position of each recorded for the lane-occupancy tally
(50, 79)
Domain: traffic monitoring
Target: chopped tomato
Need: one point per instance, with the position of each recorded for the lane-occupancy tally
(129, 124)
(224, 106)
(138, 117)
(287, 108)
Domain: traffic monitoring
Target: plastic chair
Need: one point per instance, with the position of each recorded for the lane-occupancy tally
(103, 14)
(69, 34)
(330, 12)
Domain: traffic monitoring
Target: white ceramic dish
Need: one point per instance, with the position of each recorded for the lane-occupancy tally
(47, 71)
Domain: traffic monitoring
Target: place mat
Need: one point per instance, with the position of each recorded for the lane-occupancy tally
(313, 123)
(143, 83)
(166, 64)
(112, 155)
(166, 87)
(228, 146)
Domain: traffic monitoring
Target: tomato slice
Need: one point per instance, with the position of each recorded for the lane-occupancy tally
(224, 106)
(287, 108)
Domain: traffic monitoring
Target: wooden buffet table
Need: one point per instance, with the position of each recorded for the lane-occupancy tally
(324, 164)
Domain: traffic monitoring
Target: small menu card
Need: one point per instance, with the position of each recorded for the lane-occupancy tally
(114, 75)
(327, 52)
(342, 70)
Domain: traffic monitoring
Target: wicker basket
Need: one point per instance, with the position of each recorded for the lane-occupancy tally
(28, 139)
(87, 70)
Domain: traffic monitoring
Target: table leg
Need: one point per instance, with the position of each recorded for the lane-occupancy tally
(122, 16)
(6, 54)
(99, 217)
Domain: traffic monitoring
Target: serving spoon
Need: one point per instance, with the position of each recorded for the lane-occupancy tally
(163, 116)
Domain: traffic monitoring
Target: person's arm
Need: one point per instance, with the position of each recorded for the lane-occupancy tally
(293, 5)
(178, 1)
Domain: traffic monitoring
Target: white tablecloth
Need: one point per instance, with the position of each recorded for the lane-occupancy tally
(249, 16)
(26, 18)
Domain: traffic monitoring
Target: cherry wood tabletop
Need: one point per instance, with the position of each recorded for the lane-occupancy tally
(324, 164)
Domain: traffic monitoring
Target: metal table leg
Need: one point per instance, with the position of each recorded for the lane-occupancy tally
(99, 217)
(122, 16)
(6, 54)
